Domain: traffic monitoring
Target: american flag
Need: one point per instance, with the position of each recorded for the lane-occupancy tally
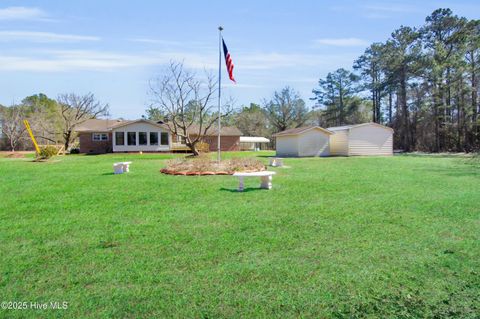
(228, 61)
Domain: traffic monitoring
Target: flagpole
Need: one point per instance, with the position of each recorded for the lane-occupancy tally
(219, 88)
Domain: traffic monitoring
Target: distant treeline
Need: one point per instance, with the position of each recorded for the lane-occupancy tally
(422, 81)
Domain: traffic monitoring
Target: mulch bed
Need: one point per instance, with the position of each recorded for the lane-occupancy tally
(197, 173)
(203, 165)
(193, 173)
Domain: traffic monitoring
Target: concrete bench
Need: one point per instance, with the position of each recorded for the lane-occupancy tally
(265, 179)
(276, 161)
(121, 167)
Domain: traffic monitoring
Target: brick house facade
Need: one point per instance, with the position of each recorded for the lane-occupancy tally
(89, 146)
(227, 143)
(98, 136)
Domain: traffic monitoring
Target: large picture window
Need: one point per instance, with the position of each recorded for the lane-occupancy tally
(153, 138)
(119, 138)
(131, 138)
(164, 138)
(97, 137)
(142, 138)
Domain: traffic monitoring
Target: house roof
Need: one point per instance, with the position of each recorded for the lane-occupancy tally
(106, 125)
(98, 125)
(300, 130)
(347, 127)
(125, 123)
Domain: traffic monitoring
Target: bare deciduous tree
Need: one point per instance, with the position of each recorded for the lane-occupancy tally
(76, 109)
(286, 109)
(187, 103)
(11, 119)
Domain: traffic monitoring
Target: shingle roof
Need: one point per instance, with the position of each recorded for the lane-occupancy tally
(346, 127)
(339, 128)
(102, 125)
(98, 125)
(299, 130)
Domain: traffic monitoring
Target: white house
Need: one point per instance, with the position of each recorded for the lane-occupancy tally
(97, 136)
(303, 141)
(140, 135)
(361, 139)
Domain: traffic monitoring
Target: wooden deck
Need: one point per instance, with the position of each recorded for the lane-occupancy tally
(178, 147)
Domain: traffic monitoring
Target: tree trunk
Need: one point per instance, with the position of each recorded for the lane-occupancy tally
(390, 105)
(473, 82)
(67, 136)
(448, 118)
(436, 104)
(192, 146)
(404, 106)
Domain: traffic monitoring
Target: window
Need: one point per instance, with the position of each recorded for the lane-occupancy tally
(131, 138)
(181, 139)
(142, 138)
(164, 138)
(97, 137)
(119, 138)
(153, 138)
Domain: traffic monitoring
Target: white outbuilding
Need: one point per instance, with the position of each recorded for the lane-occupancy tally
(361, 139)
(303, 141)
(252, 143)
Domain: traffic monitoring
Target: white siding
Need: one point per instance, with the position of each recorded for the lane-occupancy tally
(339, 143)
(370, 140)
(140, 127)
(313, 143)
(287, 145)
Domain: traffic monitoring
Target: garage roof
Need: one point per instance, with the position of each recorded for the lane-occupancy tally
(300, 130)
(347, 127)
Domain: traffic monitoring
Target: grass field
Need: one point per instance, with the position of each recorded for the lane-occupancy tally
(335, 237)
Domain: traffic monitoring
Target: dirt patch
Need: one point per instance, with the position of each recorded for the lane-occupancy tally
(13, 155)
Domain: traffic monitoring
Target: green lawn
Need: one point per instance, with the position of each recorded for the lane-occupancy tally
(335, 237)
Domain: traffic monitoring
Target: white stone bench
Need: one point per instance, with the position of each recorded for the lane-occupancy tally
(265, 179)
(276, 161)
(121, 167)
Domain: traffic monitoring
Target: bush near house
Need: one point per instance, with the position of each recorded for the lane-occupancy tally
(47, 152)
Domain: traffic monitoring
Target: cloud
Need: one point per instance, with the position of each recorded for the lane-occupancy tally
(381, 11)
(154, 41)
(73, 60)
(341, 42)
(90, 60)
(391, 8)
(94, 60)
(22, 13)
(43, 37)
(378, 10)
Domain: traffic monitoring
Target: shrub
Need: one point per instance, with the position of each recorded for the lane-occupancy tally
(47, 152)
(203, 147)
(75, 151)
